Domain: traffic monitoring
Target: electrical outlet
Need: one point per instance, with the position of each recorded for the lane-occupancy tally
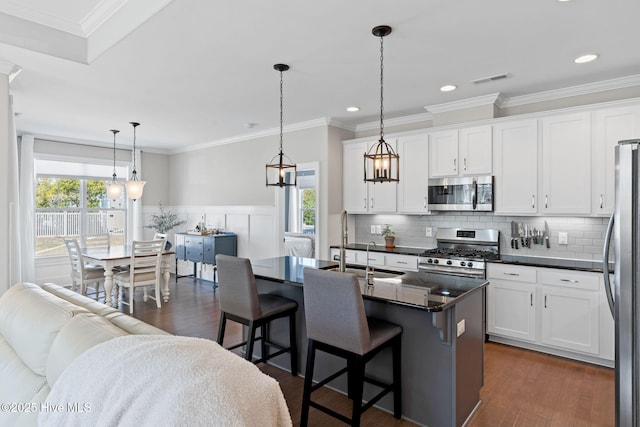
(429, 232)
(378, 229)
(563, 238)
(373, 229)
(460, 328)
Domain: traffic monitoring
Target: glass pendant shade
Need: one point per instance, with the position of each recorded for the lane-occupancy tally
(134, 186)
(280, 169)
(381, 163)
(114, 188)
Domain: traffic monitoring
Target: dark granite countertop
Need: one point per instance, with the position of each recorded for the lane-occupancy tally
(400, 250)
(562, 263)
(426, 291)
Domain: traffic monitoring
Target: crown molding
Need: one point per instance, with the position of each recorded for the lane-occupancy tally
(584, 89)
(490, 99)
(99, 15)
(268, 132)
(398, 121)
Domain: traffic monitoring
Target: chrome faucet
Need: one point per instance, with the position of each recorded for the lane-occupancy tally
(369, 271)
(344, 241)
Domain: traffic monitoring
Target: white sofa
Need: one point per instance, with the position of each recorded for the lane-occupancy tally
(68, 360)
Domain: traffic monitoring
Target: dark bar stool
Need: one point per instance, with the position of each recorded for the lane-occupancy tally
(337, 324)
(240, 302)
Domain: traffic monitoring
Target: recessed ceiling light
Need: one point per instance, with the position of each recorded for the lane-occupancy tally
(448, 88)
(353, 109)
(585, 58)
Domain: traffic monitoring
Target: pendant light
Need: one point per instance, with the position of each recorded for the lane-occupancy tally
(280, 164)
(381, 163)
(134, 186)
(114, 188)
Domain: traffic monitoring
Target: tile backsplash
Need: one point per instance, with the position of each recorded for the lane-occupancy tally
(585, 234)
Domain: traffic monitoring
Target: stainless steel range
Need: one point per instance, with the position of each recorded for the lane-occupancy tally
(461, 252)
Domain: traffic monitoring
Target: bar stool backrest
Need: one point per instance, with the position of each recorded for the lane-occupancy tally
(237, 284)
(334, 310)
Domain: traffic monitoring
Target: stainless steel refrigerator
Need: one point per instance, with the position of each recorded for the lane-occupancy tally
(623, 233)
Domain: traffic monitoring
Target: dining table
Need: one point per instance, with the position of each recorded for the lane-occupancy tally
(113, 257)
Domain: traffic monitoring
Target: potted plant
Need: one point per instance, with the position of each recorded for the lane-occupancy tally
(389, 236)
(164, 221)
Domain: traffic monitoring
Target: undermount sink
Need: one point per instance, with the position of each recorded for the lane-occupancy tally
(377, 274)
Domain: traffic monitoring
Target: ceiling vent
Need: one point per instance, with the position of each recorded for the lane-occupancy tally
(491, 78)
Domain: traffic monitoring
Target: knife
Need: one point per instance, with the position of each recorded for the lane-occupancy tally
(514, 235)
(546, 234)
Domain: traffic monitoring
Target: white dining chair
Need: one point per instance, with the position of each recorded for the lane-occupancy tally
(102, 240)
(144, 271)
(82, 274)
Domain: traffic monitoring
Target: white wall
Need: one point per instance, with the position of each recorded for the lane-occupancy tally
(4, 182)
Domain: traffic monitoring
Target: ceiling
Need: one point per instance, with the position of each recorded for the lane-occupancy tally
(195, 72)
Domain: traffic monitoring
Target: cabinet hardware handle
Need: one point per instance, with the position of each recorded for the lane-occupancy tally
(533, 201)
(545, 301)
(401, 262)
(464, 162)
(601, 201)
(546, 201)
(511, 274)
(531, 298)
(570, 280)
(425, 203)
(455, 167)
(365, 202)
(372, 203)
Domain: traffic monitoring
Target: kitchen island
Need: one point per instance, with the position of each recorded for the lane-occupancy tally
(442, 340)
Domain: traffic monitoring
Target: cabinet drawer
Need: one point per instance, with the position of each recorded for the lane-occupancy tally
(570, 279)
(375, 258)
(404, 262)
(511, 273)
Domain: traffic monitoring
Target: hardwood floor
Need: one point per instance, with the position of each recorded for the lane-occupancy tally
(522, 388)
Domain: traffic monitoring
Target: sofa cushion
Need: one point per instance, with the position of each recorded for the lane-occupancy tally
(78, 335)
(80, 300)
(19, 383)
(133, 325)
(30, 319)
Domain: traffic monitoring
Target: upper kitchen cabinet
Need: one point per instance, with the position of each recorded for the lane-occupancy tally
(516, 167)
(608, 127)
(566, 164)
(360, 196)
(467, 151)
(412, 188)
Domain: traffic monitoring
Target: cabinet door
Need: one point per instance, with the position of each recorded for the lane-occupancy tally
(608, 127)
(354, 188)
(412, 189)
(516, 167)
(570, 319)
(511, 309)
(382, 195)
(180, 247)
(566, 164)
(209, 250)
(375, 258)
(443, 153)
(403, 262)
(475, 151)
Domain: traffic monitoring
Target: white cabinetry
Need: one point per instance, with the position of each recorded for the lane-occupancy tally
(552, 310)
(608, 127)
(467, 151)
(378, 259)
(412, 189)
(516, 167)
(360, 196)
(570, 310)
(566, 164)
(511, 301)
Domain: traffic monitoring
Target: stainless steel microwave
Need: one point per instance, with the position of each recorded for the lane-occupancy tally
(467, 193)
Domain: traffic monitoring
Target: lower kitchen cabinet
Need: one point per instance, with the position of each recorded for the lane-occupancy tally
(378, 259)
(550, 310)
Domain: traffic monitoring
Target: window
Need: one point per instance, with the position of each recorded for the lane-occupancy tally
(301, 204)
(73, 206)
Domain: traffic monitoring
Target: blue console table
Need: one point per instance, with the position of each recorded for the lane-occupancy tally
(203, 249)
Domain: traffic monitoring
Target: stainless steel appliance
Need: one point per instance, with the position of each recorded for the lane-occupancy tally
(466, 193)
(624, 293)
(461, 252)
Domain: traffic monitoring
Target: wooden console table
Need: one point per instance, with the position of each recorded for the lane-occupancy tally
(203, 249)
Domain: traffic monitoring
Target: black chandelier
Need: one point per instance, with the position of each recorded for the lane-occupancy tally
(381, 163)
(280, 164)
(114, 188)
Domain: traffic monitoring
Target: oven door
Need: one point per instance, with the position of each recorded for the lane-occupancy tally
(461, 194)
